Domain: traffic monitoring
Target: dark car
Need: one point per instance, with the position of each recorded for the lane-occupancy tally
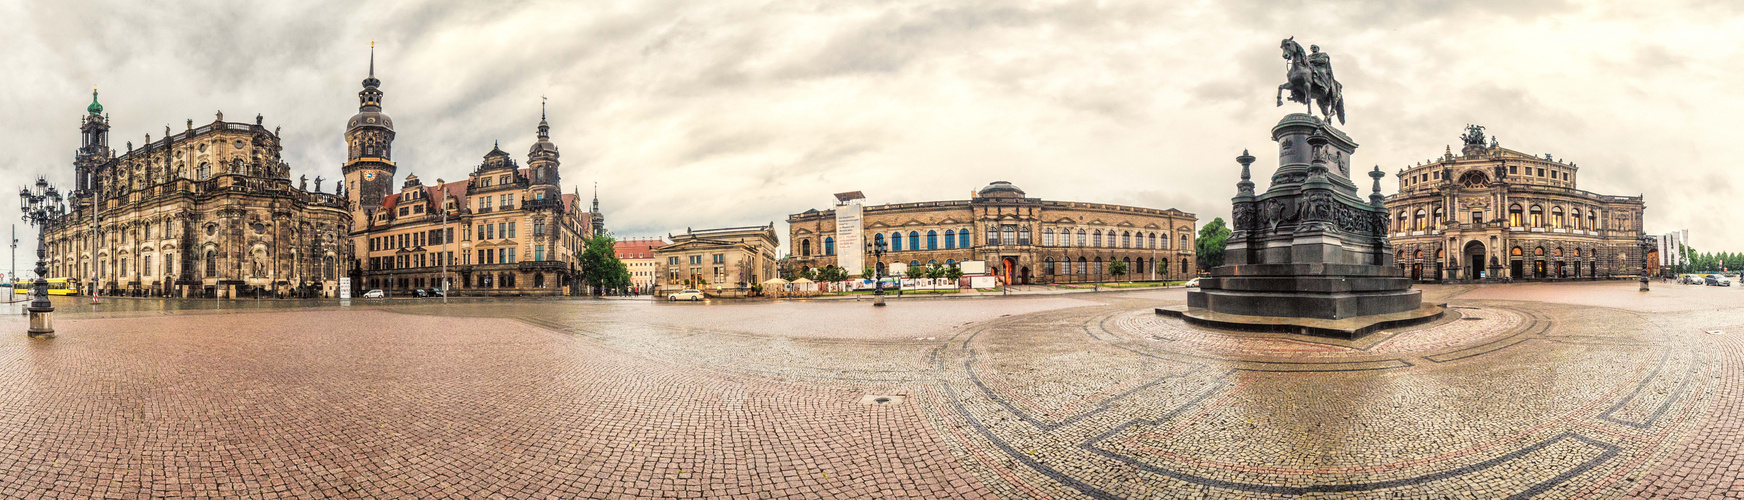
(435, 292)
(420, 292)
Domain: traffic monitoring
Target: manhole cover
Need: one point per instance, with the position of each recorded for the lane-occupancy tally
(882, 399)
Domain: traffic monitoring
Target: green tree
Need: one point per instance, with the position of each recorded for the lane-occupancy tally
(935, 272)
(1212, 238)
(832, 273)
(1162, 267)
(1117, 268)
(916, 272)
(955, 274)
(868, 272)
(600, 267)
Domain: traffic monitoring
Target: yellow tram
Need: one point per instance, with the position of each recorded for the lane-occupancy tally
(56, 286)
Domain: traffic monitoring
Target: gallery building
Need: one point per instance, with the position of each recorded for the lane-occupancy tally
(1024, 240)
(1492, 212)
(720, 262)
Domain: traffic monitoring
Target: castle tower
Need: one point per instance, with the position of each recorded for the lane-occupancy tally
(369, 138)
(93, 145)
(542, 165)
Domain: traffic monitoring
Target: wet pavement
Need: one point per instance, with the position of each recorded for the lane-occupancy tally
(1588, 390)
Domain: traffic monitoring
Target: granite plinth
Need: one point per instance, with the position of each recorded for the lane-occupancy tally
(1350, 328)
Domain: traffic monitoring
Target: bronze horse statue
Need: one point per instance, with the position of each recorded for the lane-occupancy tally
(1311, 81)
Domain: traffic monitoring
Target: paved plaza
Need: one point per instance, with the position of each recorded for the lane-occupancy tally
(1574, 390)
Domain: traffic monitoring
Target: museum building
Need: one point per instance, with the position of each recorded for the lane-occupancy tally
(209, 211)
(1490, 213)
(505, 230)
(1024, 240)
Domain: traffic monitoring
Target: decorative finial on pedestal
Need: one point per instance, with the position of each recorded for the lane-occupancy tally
(1375, 198)
(1246, 186)
(1317, 148)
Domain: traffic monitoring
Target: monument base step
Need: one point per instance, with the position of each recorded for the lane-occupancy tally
(1347, 328)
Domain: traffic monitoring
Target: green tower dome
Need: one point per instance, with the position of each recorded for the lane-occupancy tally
(94, 108)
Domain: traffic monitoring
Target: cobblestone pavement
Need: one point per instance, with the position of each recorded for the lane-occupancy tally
(1576, 390)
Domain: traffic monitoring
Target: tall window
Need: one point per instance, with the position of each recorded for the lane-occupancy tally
(895, 242)
(1023, 235)
(1556, 217)
(992, 235)
(1185, 245)
(804, 248)
(1008, 235)
(950, 239)
(1420, 220)
(963, 238)
(932, 240)
(1514, 214)
(1575, 220)
(538, 252)
(1477, 217)
(211, 263)
(829, 246)
(1125, 239)
(877, 239)
(1082, 238)
(914, 240)
(205, 170)
(1537, 216)
(1048, 241)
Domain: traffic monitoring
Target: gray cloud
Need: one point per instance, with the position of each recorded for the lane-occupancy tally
(732, 113)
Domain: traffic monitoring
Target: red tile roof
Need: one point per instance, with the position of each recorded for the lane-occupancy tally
(637, 249)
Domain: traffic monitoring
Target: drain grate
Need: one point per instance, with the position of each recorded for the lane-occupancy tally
(882, 399)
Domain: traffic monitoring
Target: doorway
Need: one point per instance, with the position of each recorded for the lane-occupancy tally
(1518, 269)
(1025, 276)
(1474, 259)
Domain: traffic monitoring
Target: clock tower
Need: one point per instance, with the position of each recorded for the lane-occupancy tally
(369, 139)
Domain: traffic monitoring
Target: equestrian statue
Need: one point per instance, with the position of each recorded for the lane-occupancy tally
(1311, 81)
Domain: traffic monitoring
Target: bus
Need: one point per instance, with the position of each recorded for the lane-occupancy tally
(56, 286)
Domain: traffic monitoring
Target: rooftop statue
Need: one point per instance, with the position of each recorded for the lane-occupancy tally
(1311, 81)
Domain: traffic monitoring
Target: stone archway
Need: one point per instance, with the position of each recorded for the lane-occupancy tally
(1474, 258)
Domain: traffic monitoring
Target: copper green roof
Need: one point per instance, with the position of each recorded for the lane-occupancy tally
(94, 108)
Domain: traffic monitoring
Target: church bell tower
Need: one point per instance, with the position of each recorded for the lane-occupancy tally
(93, 145)
(369, 139)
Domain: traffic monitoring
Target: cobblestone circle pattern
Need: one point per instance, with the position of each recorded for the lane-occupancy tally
(1525, 391)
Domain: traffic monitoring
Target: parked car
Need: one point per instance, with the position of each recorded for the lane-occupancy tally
(374, 294)
(420, 292)
(435, 292)
(1192, 283)
(1716, 280)
(690, 295)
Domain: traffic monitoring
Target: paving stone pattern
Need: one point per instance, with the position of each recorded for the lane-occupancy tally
(1527, 391)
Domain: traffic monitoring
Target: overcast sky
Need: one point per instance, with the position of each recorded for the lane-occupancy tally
(719, 113)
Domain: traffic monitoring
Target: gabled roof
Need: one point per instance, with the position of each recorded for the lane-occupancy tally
(637, 249)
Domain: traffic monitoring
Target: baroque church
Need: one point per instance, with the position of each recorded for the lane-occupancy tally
(209, 211)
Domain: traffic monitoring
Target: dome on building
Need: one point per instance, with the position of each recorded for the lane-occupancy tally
(373, 119)
(94, 108)
(1001, 189)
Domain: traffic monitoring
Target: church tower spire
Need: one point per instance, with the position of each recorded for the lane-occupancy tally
(542, 163)
(93, 145)
(369, 139)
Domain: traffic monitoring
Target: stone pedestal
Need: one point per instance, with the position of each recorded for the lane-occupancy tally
(41, 322)
(1308, 247)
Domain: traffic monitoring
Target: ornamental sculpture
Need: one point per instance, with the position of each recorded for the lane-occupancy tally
(1310, 80)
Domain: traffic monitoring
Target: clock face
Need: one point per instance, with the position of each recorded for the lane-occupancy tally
(369, 176)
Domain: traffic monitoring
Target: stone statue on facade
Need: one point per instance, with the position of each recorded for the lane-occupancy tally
(302, 183)
(1310, 80)
(318, 180)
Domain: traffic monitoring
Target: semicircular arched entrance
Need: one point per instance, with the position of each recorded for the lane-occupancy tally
(1474, 258)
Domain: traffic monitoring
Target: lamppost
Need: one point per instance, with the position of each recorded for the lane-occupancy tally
(1643, 251)
(41, 206)
(877, 249)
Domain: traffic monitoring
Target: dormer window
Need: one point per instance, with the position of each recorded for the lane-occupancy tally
(484, 182)
(503, 179)
(417, 209)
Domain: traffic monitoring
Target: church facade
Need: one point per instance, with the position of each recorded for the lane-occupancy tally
(1491, 213)
(209, 211)
(505, 230)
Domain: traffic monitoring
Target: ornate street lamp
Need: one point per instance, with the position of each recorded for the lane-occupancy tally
(877, 249)
(41, 207)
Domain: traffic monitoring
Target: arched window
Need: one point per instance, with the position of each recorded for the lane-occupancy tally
(1514, 215)
(211, 263)
(1401, 224)
(1419, 220)
(1125, 239)
(1096, 238)
(829, 246)
(1153, 237)
(1082, 238)
(327, 268)
(1556, 217)
(1557, 252)
(1537, 216)
(950, 239)
(1096, 266)
(1576, 219)
(1436, 221)
(805, 248)
(1082, 266)
(1184, 244)
(205, 170)
(877, 239)
(1183, 265)
(1516, 252)
(1538, 252)
(914, 264)
(1048, 264)
(895, 242)
(992, 235)
(1048, 240)
(932, 240)
(951, 263)
(1023, 235)
(963, 238)
(1418, 255)
(914, 240)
